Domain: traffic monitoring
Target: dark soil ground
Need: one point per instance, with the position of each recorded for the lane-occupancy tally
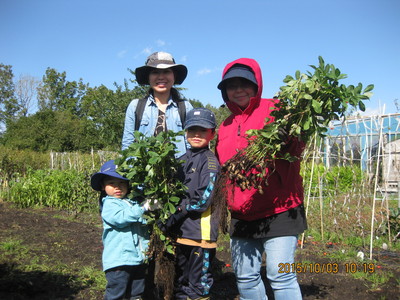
(76, 243)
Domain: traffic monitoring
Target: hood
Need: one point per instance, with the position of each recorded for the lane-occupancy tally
(251, 63)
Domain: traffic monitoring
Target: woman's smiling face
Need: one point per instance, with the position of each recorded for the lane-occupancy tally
(161, 80)
(240, 91)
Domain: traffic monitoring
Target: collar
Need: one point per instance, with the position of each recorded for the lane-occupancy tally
(153, 101)
(195, 151)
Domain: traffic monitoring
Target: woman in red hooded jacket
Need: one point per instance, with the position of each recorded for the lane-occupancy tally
(269, 222)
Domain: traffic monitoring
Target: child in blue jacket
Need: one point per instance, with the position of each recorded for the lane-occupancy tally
(194, 224)
(125, 235)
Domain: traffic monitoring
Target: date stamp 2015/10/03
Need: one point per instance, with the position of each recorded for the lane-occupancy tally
(331, 268)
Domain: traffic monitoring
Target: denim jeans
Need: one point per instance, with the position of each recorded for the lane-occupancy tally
(247, 259)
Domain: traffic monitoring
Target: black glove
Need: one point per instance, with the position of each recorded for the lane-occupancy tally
(283, 135)
(180, 213)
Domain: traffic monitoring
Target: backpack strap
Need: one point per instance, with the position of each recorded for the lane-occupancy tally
(139, 112)
(182, 111)
(142, 103)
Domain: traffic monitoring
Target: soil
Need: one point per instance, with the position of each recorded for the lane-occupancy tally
(75, 242)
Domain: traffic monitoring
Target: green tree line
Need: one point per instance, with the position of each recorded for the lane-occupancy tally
(69, 115)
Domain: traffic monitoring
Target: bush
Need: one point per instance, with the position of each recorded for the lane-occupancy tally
(14, 163)
(68, 189)
(335, 180)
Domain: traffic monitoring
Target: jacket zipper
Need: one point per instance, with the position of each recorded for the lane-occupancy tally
(238, 133)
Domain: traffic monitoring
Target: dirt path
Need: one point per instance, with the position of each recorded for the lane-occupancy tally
(77, 244)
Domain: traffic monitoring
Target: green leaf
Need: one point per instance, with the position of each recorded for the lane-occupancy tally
(316, 106)
(321, 62)
(307, 96)
(287, 79)
(170, 249)
(306, 124)
(361, 105)
(174, 199)
(369, 88)
(171, 207)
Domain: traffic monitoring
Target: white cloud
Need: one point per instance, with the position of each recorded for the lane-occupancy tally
(204, 71)
(183, 59)
(160, 43)
(147, 50)
(122, 53)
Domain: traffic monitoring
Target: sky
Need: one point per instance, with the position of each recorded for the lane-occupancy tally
(99, 40)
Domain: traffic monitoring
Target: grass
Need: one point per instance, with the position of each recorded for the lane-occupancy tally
(376, 279)
(13, 247)
(22, 259)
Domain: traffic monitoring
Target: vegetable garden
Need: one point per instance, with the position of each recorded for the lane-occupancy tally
(351, 196)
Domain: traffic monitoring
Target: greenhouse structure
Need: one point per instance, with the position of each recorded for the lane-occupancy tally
(373, 142)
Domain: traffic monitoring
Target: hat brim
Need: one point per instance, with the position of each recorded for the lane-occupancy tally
(96, 181)
(142, 73)
(200, 123)
(239, 73)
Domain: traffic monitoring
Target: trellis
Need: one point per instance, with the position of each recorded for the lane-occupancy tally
(79, 161)
(372, 142)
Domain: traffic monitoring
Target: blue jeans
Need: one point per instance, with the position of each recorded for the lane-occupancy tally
(247, 259)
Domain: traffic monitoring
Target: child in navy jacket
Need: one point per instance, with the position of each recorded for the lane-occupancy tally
(194, 225)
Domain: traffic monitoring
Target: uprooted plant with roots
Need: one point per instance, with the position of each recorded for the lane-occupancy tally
(151, 167)
(307, 104)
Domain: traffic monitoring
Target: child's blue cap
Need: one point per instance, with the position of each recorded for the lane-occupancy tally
(108, 169)
(201, 117)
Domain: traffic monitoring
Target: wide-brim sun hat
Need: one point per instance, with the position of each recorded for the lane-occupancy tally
(160, 60)
(201, 117)
(108, 169)
(238, 70)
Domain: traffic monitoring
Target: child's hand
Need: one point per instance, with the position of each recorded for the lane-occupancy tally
(180, 213)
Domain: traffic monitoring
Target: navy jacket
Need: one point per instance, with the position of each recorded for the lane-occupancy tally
(199, 173)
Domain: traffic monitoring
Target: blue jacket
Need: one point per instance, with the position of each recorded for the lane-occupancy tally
(200, 171)
(149, 122)
(125, 235)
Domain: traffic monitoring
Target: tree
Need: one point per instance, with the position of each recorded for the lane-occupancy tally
(57, 93)
(25, 90)
(195, 103)
(106, 108)
(8, 105)
(221, 113)
(50, 130)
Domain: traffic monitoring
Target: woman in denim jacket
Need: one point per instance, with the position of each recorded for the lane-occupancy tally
(161, 112)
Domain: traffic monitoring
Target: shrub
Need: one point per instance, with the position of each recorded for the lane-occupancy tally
(335, 180)
(68, 189)
(16, 162)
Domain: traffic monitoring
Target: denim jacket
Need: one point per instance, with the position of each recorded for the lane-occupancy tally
(149, 122)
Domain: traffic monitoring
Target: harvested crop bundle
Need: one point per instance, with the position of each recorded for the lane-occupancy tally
(151, 167)
(306, 105)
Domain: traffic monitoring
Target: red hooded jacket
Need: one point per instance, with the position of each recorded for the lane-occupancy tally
(285, 185)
